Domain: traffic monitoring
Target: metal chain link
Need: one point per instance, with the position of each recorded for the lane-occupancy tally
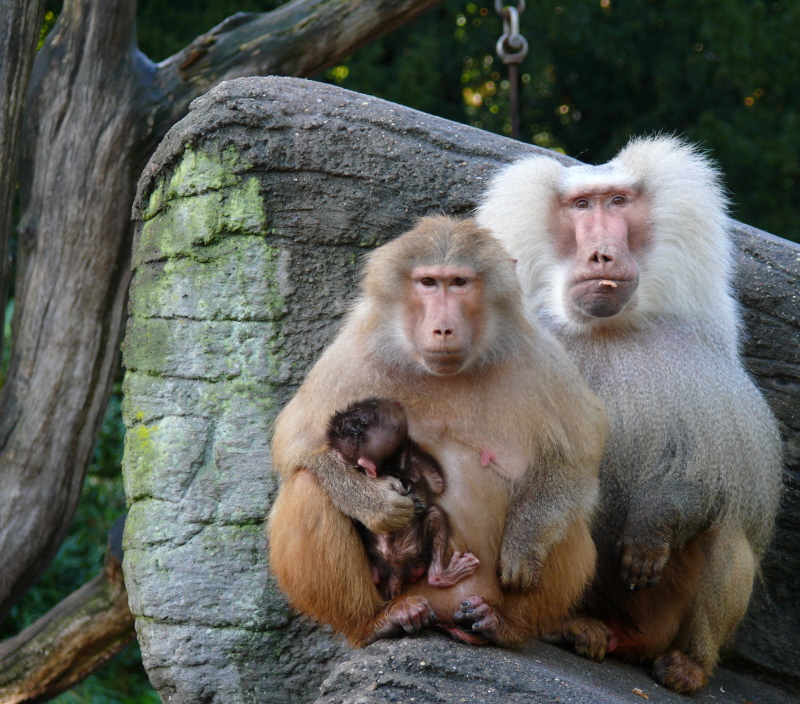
(512, 47)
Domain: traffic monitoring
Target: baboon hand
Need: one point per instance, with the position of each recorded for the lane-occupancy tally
(395, 484)
(395, 510)
(643, 556)
(478, 616)
(419, 506)
(518, 570)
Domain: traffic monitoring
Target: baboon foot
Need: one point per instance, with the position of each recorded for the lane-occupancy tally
(461, 565)
(405, 614)
(590, 636)
(679, 672)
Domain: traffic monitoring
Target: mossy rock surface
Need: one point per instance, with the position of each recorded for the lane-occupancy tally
(251, 220)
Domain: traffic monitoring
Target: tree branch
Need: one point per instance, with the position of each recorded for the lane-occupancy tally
(73, 639)
(301, 38)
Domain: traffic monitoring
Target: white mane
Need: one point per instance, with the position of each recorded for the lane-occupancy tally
(685, 273)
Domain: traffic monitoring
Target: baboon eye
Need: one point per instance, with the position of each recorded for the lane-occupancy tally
(460, 281)
(581, 203)
(428, 281)
(618, 200)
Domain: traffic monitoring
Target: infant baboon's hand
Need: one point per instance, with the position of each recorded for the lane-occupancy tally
(419, 506)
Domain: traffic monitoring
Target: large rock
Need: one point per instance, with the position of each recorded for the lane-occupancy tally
(250, 221)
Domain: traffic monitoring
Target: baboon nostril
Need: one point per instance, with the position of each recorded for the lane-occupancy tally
(598, 258)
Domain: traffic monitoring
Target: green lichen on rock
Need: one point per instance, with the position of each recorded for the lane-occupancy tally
(235, 279)
(202, 200)
(198, 171)
(203, 345)
(203, 349)
(150, 451)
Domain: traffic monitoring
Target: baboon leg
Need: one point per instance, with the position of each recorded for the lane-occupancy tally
(719, 605)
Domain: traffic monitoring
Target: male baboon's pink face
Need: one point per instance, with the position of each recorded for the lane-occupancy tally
(601, 231)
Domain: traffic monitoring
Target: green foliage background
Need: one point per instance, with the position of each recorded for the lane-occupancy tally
(123, 680)
(723, 73)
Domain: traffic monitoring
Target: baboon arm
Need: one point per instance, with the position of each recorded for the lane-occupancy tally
(299, 444)
(662, 516)
(678, 506)
(319, 559)
(436, 532)
(668, 504)
(533, 526)
(376, 503)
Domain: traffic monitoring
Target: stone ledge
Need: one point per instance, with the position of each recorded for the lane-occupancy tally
(429, 668)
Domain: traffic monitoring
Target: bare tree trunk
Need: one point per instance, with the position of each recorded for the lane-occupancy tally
(81, 141)
(96, 110)
(21, 21)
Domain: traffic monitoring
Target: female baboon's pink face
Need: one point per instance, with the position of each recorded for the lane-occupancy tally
(443, 318)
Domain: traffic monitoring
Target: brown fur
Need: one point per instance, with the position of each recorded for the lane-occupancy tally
(517, 432)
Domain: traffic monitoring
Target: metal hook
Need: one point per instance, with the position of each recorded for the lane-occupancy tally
(499, 7)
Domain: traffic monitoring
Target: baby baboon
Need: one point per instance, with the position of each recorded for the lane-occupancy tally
(373, 435)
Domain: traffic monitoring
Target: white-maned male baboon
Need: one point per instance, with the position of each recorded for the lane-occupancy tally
(630, 265)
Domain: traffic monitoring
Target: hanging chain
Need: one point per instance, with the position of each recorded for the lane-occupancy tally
(512, 48)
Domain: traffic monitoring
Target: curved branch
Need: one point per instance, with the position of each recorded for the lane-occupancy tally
(73, 639)
(301, 38)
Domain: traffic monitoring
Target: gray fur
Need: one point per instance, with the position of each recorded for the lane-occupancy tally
(687, 427)
(694, 452)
